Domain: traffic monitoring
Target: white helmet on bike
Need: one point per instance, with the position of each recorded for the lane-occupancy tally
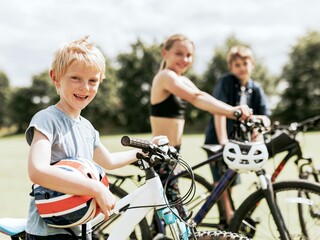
(243, 157)
(62, 210)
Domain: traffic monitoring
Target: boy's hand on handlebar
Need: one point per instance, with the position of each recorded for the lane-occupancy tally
(246, 112)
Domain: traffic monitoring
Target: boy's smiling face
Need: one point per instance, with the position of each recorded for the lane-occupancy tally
(242, 68)
(77, 87)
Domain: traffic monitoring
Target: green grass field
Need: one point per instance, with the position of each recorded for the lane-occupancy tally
(15, 184)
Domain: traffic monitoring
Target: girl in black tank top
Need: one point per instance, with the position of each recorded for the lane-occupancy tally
(171, 107)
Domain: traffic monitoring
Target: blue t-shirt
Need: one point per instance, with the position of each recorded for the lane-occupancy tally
(228, 90)
(69, 138)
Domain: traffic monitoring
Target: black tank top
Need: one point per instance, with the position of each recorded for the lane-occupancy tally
(171, 107)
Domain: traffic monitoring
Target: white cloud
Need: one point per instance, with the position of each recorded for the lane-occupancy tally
(32, 30)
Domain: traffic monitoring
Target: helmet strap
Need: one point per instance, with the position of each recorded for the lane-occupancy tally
(84, 232)
(72, 233)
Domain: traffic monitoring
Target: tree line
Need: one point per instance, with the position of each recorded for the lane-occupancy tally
(122, 102)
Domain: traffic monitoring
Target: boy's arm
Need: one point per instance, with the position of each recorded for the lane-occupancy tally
(112, 161)
(220, 124)
(42, 173)
(115, 160)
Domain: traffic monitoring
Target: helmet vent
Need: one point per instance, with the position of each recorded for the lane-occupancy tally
(244, 152)
(257, 152)
(244, 161)
(89, 175)
(89, 202)
(47, 195)
(258, 160)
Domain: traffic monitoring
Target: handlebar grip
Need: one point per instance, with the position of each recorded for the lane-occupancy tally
(237, 114)
(135, 142)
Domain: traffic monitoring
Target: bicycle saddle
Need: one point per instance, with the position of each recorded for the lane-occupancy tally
(212, 148)
(12, 226)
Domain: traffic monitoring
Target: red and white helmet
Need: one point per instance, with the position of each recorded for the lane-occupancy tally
(63, 210)
(243, 157)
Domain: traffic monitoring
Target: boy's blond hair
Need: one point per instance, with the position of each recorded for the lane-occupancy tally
(80, 50)
(239, 52)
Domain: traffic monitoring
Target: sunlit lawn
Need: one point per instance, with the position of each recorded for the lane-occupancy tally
(15, 185)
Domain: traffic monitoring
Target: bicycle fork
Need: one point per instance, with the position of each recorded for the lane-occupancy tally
(267, 188)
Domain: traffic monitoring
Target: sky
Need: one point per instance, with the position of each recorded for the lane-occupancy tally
(31, 30)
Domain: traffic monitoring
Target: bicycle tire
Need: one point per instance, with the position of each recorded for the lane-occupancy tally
(218, 235)
(141, 231)
(253, 217)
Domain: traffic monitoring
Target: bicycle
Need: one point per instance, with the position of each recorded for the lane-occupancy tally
(283, 138)
(208, 196)
(134, 207)
(306, 170)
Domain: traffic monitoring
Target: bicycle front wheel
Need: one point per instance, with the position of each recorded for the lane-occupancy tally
(141, 231)
(299, 204)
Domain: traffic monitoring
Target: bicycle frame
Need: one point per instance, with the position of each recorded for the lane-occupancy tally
(285, 140)
(293, 150)
(224, 183)
(137, 204)
(213, 158)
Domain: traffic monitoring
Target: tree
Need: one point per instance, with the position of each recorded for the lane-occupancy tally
(218, 66)
(136, 72)
(301, 96)
(4, 98)
(43, 91)
(103, 111)
(20, 108)
(26, 101)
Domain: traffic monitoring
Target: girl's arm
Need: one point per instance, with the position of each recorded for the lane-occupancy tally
(185, 89)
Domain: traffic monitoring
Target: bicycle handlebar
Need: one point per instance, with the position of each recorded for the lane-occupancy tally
(293, 128)
(296, 127)
(237, 114)
(153, 154)
(136, 143)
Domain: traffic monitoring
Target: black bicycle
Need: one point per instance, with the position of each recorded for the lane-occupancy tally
(283, 138)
